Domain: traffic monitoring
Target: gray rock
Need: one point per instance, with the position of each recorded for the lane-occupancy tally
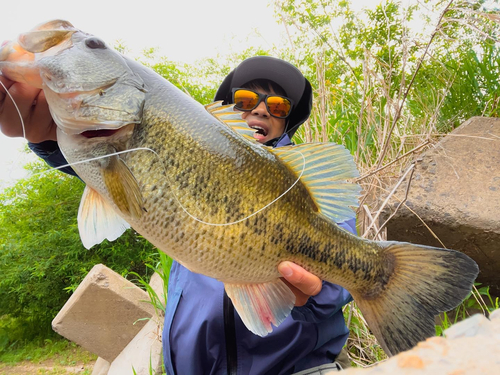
(455, 190)
(470, 347)
(142, 356)
(475, 325)
(101, 367)
(104, 313)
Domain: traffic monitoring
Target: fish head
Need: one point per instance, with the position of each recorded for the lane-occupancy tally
(96, 98)
(88, 85)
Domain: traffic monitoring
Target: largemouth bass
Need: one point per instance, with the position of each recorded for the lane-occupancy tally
(192, 180)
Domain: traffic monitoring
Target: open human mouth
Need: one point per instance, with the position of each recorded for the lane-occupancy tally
(260, 130)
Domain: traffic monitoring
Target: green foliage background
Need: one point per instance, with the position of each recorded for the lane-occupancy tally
(42, 259)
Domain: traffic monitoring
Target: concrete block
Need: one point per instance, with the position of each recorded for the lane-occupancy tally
(103, 314)
(455, 190)
(475, 325)
(143, 353)
(474, 350)
(101, 367)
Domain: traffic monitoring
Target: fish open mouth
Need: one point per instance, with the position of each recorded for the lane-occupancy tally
(99, 133)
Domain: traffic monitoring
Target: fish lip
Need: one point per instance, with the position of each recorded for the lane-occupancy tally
(103, 132)
(258, 125)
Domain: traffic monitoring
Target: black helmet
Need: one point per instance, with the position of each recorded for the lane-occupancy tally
(296, 86)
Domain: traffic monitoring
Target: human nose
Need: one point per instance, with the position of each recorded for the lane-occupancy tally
(261, 110)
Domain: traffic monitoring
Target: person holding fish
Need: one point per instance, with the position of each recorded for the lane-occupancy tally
(202, 332)
(222, 193)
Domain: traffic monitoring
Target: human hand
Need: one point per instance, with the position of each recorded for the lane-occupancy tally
(302, 283)
(38, 123)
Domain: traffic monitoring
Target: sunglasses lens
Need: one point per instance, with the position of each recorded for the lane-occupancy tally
(245, 100)
(278, 106)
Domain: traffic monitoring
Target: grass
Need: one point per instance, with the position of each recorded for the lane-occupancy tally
(53, 357)
(64, 352)
(162, 268)
(479, 301)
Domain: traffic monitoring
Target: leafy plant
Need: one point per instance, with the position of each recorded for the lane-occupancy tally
(162, 268)
(42, 259)
(384, 87)
(478, 301)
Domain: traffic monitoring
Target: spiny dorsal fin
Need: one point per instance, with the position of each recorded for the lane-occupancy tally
(327, 168)
(231, 118)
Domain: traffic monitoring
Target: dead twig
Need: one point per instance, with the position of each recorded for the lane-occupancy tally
(394, 161)
(400, 108)
(388, 197)
(400, 203)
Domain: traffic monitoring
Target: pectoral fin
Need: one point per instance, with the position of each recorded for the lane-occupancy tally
(123, 188)
(97, 220)
(260, 305)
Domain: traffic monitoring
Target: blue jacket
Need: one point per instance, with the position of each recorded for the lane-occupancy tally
(196, 330)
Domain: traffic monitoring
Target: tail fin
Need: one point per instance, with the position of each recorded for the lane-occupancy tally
(421, 282)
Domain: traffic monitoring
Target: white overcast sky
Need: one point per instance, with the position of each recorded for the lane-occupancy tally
(183, 30)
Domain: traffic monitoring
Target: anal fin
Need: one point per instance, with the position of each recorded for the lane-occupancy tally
(261, 305)
(97, 220)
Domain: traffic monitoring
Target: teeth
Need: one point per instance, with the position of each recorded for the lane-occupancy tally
(259, 129)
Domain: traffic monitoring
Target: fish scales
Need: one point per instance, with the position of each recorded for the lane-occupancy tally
(194, 182)
(279, 231)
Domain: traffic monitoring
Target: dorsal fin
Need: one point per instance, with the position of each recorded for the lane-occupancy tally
(327, 168)
(231, 118)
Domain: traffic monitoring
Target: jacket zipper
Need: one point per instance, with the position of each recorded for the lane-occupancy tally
(230, 336)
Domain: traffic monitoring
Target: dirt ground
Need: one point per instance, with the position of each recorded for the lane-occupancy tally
(46, 368)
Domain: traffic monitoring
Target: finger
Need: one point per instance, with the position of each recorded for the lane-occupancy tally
(300, 298)
(23, 96)
(304, 281)
(5, 83)
(40, 125)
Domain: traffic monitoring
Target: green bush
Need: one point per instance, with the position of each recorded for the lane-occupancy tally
(42, 259)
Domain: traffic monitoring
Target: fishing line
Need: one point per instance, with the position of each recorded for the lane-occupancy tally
(173, 191)
(166, 174)
(259, 210)
(17, 109)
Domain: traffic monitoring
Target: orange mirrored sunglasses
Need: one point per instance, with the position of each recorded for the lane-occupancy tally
(246, 100)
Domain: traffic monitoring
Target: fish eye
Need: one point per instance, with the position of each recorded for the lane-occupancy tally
(95, 43)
